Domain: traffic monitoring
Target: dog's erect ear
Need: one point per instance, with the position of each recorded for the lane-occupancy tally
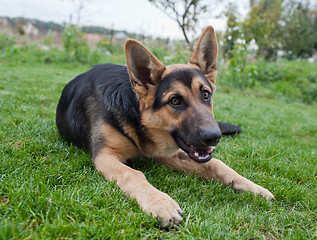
(205, 54)
(143, 67)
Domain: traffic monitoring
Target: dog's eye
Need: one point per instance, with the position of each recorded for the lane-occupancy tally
(175, 100)
(206, 94)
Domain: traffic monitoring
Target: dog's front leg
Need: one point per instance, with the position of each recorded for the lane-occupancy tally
(217, 171)
(134, 184)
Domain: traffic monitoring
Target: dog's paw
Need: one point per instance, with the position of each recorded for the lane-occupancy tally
(163, 208)
(246, 185)
(263, 192)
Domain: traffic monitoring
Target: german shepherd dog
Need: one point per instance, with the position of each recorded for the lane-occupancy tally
(148, 109)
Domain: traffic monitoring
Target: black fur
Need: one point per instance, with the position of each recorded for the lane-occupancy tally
(105, 93)
(102, 93)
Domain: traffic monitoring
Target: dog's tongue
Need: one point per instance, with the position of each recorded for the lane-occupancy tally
(200, 155)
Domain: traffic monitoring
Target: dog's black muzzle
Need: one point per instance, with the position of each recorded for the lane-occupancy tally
(200, 147)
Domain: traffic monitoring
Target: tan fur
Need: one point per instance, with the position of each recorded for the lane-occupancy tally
(137, 56)
(110, 162)
(171, 68)
(119, 145)
(207, 41)
(158, 124)
(215, 170)
(145, 71)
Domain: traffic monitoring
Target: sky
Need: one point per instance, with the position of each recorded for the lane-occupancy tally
(138, 16)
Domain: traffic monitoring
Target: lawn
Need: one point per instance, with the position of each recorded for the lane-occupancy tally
(50, 190)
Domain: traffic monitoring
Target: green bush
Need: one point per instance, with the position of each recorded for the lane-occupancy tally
(290, 80)
(77, 47)
(106, 46)
(241, 73)
(295, 80)
(177, 54)
(6, 42)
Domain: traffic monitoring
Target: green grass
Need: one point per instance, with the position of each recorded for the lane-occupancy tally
(50, 190)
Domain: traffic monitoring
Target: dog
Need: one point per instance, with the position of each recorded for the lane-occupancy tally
(148, 109)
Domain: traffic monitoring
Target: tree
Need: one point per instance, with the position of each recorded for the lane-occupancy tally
(233, 31)
(288, 26)
(299, 35)
(185, 12)
(263, 25)
(79, 6)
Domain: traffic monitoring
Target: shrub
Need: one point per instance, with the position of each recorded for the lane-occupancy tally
(241, 73)
(289, 80)
(6, 42)
(77, 47)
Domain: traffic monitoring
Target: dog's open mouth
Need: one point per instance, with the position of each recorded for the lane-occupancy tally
(201, 155)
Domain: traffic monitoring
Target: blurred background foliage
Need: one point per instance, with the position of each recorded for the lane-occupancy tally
(268, 52)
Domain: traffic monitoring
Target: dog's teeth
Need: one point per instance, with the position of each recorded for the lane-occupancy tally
(210, 149)
(196, 154)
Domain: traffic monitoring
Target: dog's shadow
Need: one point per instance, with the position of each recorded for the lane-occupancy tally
(143, 164)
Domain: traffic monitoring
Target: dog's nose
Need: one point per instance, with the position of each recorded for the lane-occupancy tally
(210, 136)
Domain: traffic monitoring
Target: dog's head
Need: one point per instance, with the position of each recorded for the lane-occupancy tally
(176, 101)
